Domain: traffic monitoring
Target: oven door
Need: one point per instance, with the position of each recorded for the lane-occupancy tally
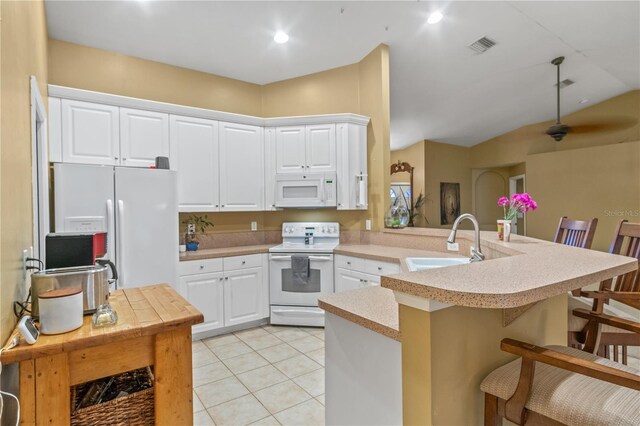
(284, 290)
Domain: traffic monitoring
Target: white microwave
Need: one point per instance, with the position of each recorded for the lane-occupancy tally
(304, 190)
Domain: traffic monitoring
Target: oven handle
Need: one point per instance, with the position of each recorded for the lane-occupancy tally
(297, 311)
(321, 258)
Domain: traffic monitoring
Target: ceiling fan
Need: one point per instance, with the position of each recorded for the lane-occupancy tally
(559, 130)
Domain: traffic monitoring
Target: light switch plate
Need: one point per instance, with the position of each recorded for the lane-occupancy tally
(453, 246)
(254, 226)
(367, 224)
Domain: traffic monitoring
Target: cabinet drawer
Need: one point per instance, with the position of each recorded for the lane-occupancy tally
(377, 267)
(241, 262)
(204, 266)
(369, 280)
(349, 262)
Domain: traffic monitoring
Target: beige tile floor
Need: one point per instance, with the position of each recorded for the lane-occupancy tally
(271, 375)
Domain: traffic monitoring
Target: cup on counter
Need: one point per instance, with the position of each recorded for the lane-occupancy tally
(183, 248)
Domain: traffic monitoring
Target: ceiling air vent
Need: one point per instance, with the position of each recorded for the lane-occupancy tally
(482, 45)
(564, 83)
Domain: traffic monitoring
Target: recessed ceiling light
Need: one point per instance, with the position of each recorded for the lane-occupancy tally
(435, 17)
(281, 37)
(583, 101)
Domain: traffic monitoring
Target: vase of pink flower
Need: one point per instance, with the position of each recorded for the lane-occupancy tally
(519, 203)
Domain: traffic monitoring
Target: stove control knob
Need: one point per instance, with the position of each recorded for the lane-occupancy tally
(333, 230)
(323, 229)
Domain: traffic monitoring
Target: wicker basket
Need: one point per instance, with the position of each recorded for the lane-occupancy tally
(136, 408)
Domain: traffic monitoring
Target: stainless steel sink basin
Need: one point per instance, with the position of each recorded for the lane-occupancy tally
(422, 263)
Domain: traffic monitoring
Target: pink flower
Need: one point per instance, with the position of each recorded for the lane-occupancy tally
(534, 205)
(503, 201)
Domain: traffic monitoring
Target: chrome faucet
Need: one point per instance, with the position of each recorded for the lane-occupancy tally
(476, 253)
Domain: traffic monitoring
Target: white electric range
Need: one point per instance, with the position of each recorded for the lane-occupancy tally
(294, 297)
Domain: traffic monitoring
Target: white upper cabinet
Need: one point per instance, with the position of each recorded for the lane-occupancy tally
(241, 167)
(306, 148)
(320, 148)
(144, 135)
(196, 153)
(290, 149)
(90, 133)
(270, 167)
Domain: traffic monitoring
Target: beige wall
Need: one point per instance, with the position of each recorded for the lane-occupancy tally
(487, 186)
(446, 163)
(602, 182)
(513, 147)
(24, 53)
(361, 88)
(88, 68)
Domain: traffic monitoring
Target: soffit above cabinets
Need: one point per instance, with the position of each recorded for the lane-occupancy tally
(127, 102)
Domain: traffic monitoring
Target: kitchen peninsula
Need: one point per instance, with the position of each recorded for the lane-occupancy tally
(449, 322)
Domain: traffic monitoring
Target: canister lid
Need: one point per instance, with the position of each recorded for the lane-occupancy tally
(60, 292)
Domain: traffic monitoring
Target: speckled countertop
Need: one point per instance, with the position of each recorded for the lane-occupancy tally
(225, 252)
(374, 308)
(528, 270)
(388, 253)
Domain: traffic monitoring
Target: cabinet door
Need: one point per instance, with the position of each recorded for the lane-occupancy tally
(241, 167)
(243, 296)
(196, 143)
(144, 135)
(90, 133)
(347, 280)
(321, 148)
(290, 149)
(270, 169)
(205, 292)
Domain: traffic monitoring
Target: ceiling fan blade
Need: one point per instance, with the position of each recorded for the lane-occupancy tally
(610, 125)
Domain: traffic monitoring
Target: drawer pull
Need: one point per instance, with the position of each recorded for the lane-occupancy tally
(379, 268)
(201, 266)
(348, 263)
(244, 261)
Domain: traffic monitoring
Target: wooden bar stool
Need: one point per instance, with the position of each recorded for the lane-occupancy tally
(556, 385)
(625, 289)
(576, 233)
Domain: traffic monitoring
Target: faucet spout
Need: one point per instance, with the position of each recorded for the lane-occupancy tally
(476, 252)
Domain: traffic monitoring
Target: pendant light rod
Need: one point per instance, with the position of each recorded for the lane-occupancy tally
(557, 61)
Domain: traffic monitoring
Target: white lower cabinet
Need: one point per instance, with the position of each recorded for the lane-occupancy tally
(354, 272)
(205, 292)
(350, 280)
(242, 296)
(229, 292)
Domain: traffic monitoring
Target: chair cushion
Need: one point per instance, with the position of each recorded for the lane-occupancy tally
(577, 324)
(570, 398)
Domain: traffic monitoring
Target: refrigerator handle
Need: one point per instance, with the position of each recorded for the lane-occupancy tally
(120, 252)
(110, 229)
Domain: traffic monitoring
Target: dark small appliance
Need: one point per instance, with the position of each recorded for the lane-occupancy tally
(74, 249)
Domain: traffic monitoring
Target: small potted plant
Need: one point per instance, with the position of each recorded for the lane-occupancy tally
(519, 203)
(194, 223)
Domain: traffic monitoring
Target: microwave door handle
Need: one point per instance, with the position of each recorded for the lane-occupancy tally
(110, 229)
(120, 238)
(322, 185)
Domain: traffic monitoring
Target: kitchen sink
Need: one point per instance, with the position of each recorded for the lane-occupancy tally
(422, 263)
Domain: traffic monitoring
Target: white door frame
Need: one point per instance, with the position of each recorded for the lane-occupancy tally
(512, 190)
(39, 170)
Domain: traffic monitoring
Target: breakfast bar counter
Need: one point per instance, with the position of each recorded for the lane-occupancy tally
(153, 329)
(450, 320)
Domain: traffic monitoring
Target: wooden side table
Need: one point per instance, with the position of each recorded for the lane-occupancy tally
(154, 328)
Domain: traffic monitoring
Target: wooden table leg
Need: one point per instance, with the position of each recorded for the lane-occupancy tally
(27, 393)
(173, 386)
(52, 390)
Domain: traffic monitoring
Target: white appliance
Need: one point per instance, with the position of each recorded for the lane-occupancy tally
(294, 301)
(137, 207)
(306, 190)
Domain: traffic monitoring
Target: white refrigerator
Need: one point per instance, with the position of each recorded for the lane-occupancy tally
(138, 208)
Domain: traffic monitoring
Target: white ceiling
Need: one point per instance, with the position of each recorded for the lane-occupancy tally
(440, 89)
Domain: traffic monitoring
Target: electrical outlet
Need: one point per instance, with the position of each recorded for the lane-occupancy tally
(367, 224)
(254, 226)
(453, 246)
(191, 228)
(25, 254)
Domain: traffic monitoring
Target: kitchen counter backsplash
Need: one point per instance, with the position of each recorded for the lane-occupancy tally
(253, 238)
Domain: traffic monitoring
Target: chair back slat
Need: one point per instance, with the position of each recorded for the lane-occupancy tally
(626, 242)
(576, 233)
